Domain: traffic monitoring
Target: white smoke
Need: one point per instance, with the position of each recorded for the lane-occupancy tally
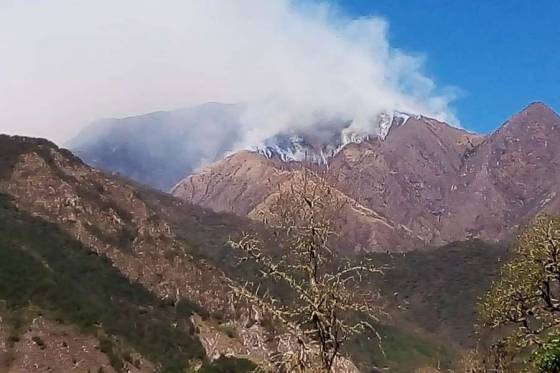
(294, 63)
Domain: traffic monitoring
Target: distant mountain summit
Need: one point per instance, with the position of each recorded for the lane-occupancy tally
(160, 148)
(510, 177)
(322, 142)
(535, 113)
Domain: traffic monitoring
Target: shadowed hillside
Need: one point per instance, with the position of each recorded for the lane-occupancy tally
(438, 289)
(43, 272)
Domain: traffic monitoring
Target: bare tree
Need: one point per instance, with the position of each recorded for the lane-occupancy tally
(328, 303)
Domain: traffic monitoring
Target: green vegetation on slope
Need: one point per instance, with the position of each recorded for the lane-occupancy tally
(432, 293)
(438, 289)
(43, 267)
(228, 365)
(521, 308)
(399, 350)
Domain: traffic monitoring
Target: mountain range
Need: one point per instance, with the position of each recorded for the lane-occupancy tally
(416, 181)
(424, 183)
(100, 272)
(161, 148)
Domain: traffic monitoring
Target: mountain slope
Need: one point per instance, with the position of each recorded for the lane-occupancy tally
(80, 300)
(158, 149)
(246, 184)
(437, 289)
(398, 181)
(510, 177)
(81, 228)
(407, 175)
(438, 183)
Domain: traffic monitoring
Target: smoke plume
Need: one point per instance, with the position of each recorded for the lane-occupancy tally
(66, 63)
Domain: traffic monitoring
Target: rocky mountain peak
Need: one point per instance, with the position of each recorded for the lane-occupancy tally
(538, 107)
(535, 114)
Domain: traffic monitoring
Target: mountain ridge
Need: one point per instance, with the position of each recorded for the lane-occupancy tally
(158, 148)
(442, 183)
(162, 147)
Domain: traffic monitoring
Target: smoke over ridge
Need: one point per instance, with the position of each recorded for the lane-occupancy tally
(292, 63)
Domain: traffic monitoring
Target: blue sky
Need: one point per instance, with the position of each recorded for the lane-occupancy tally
(501, 54)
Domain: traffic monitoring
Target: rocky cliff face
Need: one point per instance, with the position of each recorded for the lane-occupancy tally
(435, 182)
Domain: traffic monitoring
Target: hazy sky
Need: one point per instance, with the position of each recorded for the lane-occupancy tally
(65, 63)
